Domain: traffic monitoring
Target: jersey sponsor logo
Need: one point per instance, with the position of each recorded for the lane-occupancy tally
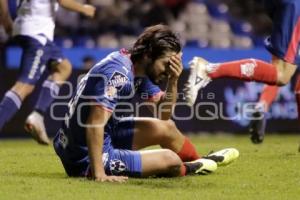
(118, 80)
(35, 64)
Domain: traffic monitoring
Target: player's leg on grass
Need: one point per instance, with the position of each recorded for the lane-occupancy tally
(158, 162)
(151, 131)
(119, 160)
(164, 162)
(137, 133)
(60, 69)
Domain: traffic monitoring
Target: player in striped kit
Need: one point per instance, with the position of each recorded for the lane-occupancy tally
(33, 31)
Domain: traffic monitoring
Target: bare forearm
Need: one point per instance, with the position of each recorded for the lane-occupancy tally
(174, 70)
(167, 104)
(94, 137)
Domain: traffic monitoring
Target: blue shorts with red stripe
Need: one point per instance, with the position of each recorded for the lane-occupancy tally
(35, 57)
(285, 37)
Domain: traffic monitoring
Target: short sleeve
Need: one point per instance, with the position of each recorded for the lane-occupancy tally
(105, 87)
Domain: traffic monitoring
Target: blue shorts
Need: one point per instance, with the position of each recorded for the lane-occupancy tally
(285, 37)
(35, 58)
(121, 159)
(118, 158)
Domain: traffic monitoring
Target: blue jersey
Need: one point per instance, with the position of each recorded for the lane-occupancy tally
(285, 37)
(109, 83)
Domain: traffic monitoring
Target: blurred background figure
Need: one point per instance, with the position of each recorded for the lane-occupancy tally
(33, 31)
(88, 63)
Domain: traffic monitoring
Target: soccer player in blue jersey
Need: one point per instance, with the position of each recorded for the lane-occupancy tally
(283, 44)
(33, 30)
(95, 141)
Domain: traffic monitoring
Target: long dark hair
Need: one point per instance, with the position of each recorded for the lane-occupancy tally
(154, 42)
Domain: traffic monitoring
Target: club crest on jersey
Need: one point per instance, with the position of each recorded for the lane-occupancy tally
(117, 80)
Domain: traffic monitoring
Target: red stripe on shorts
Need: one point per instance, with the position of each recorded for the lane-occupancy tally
(292, 49)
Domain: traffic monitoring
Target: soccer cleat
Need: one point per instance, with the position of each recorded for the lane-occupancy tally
(224, 157)
(201, 167)
(197, 80)
(257, 127)
(35, 126)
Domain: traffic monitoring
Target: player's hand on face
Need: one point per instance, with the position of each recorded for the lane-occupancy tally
(118, 179)
(175, 66)
(89, 10)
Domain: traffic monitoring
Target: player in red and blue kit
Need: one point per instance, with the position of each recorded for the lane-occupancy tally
(96, 142)
(283, 44)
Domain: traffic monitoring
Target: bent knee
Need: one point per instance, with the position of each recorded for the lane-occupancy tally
(169, 125)
(171, 159)
(167, 129)
(173, 163)
(283, 78)
(285, 71)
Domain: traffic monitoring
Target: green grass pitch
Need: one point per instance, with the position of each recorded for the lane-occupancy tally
(267, 171)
